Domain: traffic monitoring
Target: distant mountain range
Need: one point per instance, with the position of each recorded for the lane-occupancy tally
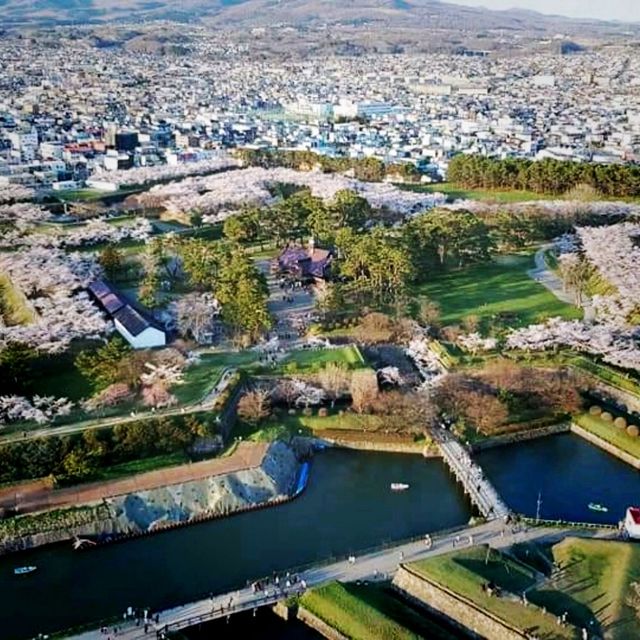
(300, 13)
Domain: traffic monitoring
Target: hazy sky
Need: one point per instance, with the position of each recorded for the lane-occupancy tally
(628, 10)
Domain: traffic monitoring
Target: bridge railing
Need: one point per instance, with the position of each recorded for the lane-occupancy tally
(565, 523)
(215, 614)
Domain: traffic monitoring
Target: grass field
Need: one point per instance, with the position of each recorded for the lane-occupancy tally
(14, 307)
(200, 378)
(67, 382)
(286, 426)
(455, 192)
(365, 613)
(314, 359)
(464, 572)
(487, 290)
(143, 465)
(606, 373)
(605, 430)
(593, 585)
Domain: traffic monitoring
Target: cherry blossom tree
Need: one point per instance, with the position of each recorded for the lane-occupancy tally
(54, 284)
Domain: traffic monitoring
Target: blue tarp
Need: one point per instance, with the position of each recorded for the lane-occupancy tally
(303, 478)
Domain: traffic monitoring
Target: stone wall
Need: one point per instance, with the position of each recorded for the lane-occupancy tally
(522, 436)
(386, 447)
(606, 446)
(306, 445)
(143, 512)
(472, 620)
(319, 625)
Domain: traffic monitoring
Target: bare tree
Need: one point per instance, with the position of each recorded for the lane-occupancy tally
(429, 313)
(485, 412)
(334, 379)
(364, 390)
(196, 314)
(255, 406)
(576, 273)
(405, 412)
(375, 328)
(288, 390)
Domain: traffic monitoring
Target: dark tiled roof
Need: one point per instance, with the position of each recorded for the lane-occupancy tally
(100, 288)
(313, 263)
(112, 302)
(131, 320)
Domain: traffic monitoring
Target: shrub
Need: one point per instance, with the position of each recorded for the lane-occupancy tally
(323, 412)
(595, 410)
(607, 417)
(307, 411)
(633, 431)
(621, 423)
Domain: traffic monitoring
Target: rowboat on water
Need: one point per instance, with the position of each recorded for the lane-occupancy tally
(594, 506)
(21, 571)
(399, 486)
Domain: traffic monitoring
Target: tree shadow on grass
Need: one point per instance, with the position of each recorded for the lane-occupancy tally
(558, 603)
(506, 574)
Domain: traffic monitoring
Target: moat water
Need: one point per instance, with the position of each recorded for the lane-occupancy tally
(346, 508)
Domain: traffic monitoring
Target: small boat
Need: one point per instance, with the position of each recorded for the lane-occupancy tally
(399, 486)
(594, 506)
(21, 571)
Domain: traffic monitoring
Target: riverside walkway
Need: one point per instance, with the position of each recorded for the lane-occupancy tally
(481, 492)
(379, 565)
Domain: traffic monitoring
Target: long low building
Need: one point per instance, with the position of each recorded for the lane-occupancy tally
(137, 330)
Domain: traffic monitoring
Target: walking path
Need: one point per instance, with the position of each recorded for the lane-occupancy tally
(547, 278)
(476, 485)
(205, 404)
(378, 565)
(291, 306)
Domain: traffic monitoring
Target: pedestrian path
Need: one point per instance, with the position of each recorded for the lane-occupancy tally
(379, 565)
(476, 485)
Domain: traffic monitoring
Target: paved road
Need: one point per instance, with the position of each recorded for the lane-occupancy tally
(542, 274)
(381, 565)
(76, 427)
(292, 314)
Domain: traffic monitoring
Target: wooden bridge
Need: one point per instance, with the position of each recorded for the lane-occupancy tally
(481, 492)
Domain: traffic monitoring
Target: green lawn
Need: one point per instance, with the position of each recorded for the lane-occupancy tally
(67, 382)
(14, 307)
(487, 290)
(286, 426)
(363, 613)
(456, 192)
(314, 359)
(606, 373)
(143, 465)
(593, 585)
(202, 377)
(464, 572)
(611, 434)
